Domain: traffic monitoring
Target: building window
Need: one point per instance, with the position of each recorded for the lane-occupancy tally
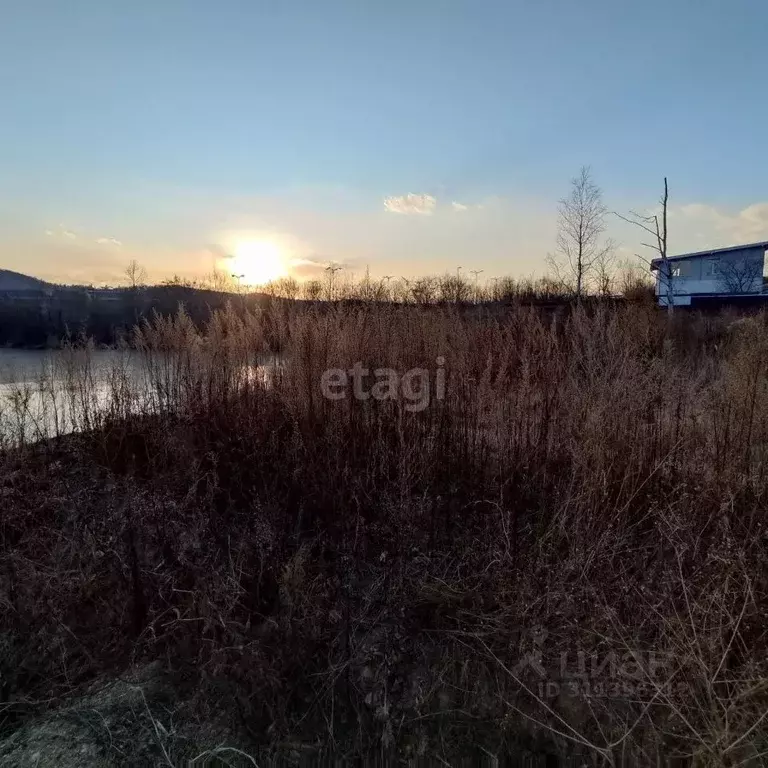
(712, 268)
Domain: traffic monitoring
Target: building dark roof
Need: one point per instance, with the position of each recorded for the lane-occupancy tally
(712, 252)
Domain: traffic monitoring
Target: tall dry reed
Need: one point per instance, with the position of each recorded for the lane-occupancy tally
(370, 580)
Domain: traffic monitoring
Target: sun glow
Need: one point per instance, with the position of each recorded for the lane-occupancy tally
(257, 261)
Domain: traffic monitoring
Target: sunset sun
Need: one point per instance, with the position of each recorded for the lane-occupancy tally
(257, 261)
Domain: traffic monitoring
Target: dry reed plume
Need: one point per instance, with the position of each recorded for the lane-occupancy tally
(566, 554)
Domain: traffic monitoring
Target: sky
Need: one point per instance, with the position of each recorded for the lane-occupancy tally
(407, 137)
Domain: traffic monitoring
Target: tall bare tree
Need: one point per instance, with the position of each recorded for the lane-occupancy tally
(135, 274)
(581, 224)
(656, 225)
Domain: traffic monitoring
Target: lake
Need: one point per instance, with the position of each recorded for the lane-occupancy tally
(37, 395)
(51, 392)
(27, 365)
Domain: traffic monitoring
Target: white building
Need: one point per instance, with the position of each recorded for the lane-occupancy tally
(723, 272)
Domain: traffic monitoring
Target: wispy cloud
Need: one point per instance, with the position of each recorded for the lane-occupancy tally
(461, 207)
(316, 265)
(411, 204)
(307, 267)
(61, 232)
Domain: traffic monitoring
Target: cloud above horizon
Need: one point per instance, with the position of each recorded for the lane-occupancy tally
(500, 234)
(61, 232)
(68, 234)
(715, 226)
(411, 203)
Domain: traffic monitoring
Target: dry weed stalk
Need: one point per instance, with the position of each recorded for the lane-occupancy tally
(358, 577)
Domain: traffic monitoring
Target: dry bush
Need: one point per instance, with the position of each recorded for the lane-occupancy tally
(353, 578)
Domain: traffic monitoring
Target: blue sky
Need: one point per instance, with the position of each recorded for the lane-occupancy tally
(167, 130)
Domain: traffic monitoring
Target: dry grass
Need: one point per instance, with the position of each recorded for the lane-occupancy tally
(351, 578)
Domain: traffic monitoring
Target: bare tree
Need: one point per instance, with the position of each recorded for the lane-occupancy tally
(384, 292)
(657, 228)
(605, 273)
(313, 289)
(581, 223)
(739, 276)
(135, 273)
(454, 289)
(423, 290)
(401, 291)
(506, 289)
(366, 290)
(634, 281)
(288, 287)
(218, 280)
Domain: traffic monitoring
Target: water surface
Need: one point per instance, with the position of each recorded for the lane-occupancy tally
(50, 392)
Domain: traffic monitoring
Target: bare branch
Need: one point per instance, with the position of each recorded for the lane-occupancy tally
(637, 222)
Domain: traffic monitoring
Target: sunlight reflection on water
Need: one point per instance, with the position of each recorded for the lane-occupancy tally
(43, 393)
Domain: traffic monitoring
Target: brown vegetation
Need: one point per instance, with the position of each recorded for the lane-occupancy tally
(350, 578)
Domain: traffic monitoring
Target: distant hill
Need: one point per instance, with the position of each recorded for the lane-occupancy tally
(15, 281)
(36, 314)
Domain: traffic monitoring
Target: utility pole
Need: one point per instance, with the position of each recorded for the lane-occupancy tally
(387, 278)
(458, 284)
(408, 290)
(331, 269)
(476, 272)
(239, 279)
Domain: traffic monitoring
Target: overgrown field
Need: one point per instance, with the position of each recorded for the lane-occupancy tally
(562, 553)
